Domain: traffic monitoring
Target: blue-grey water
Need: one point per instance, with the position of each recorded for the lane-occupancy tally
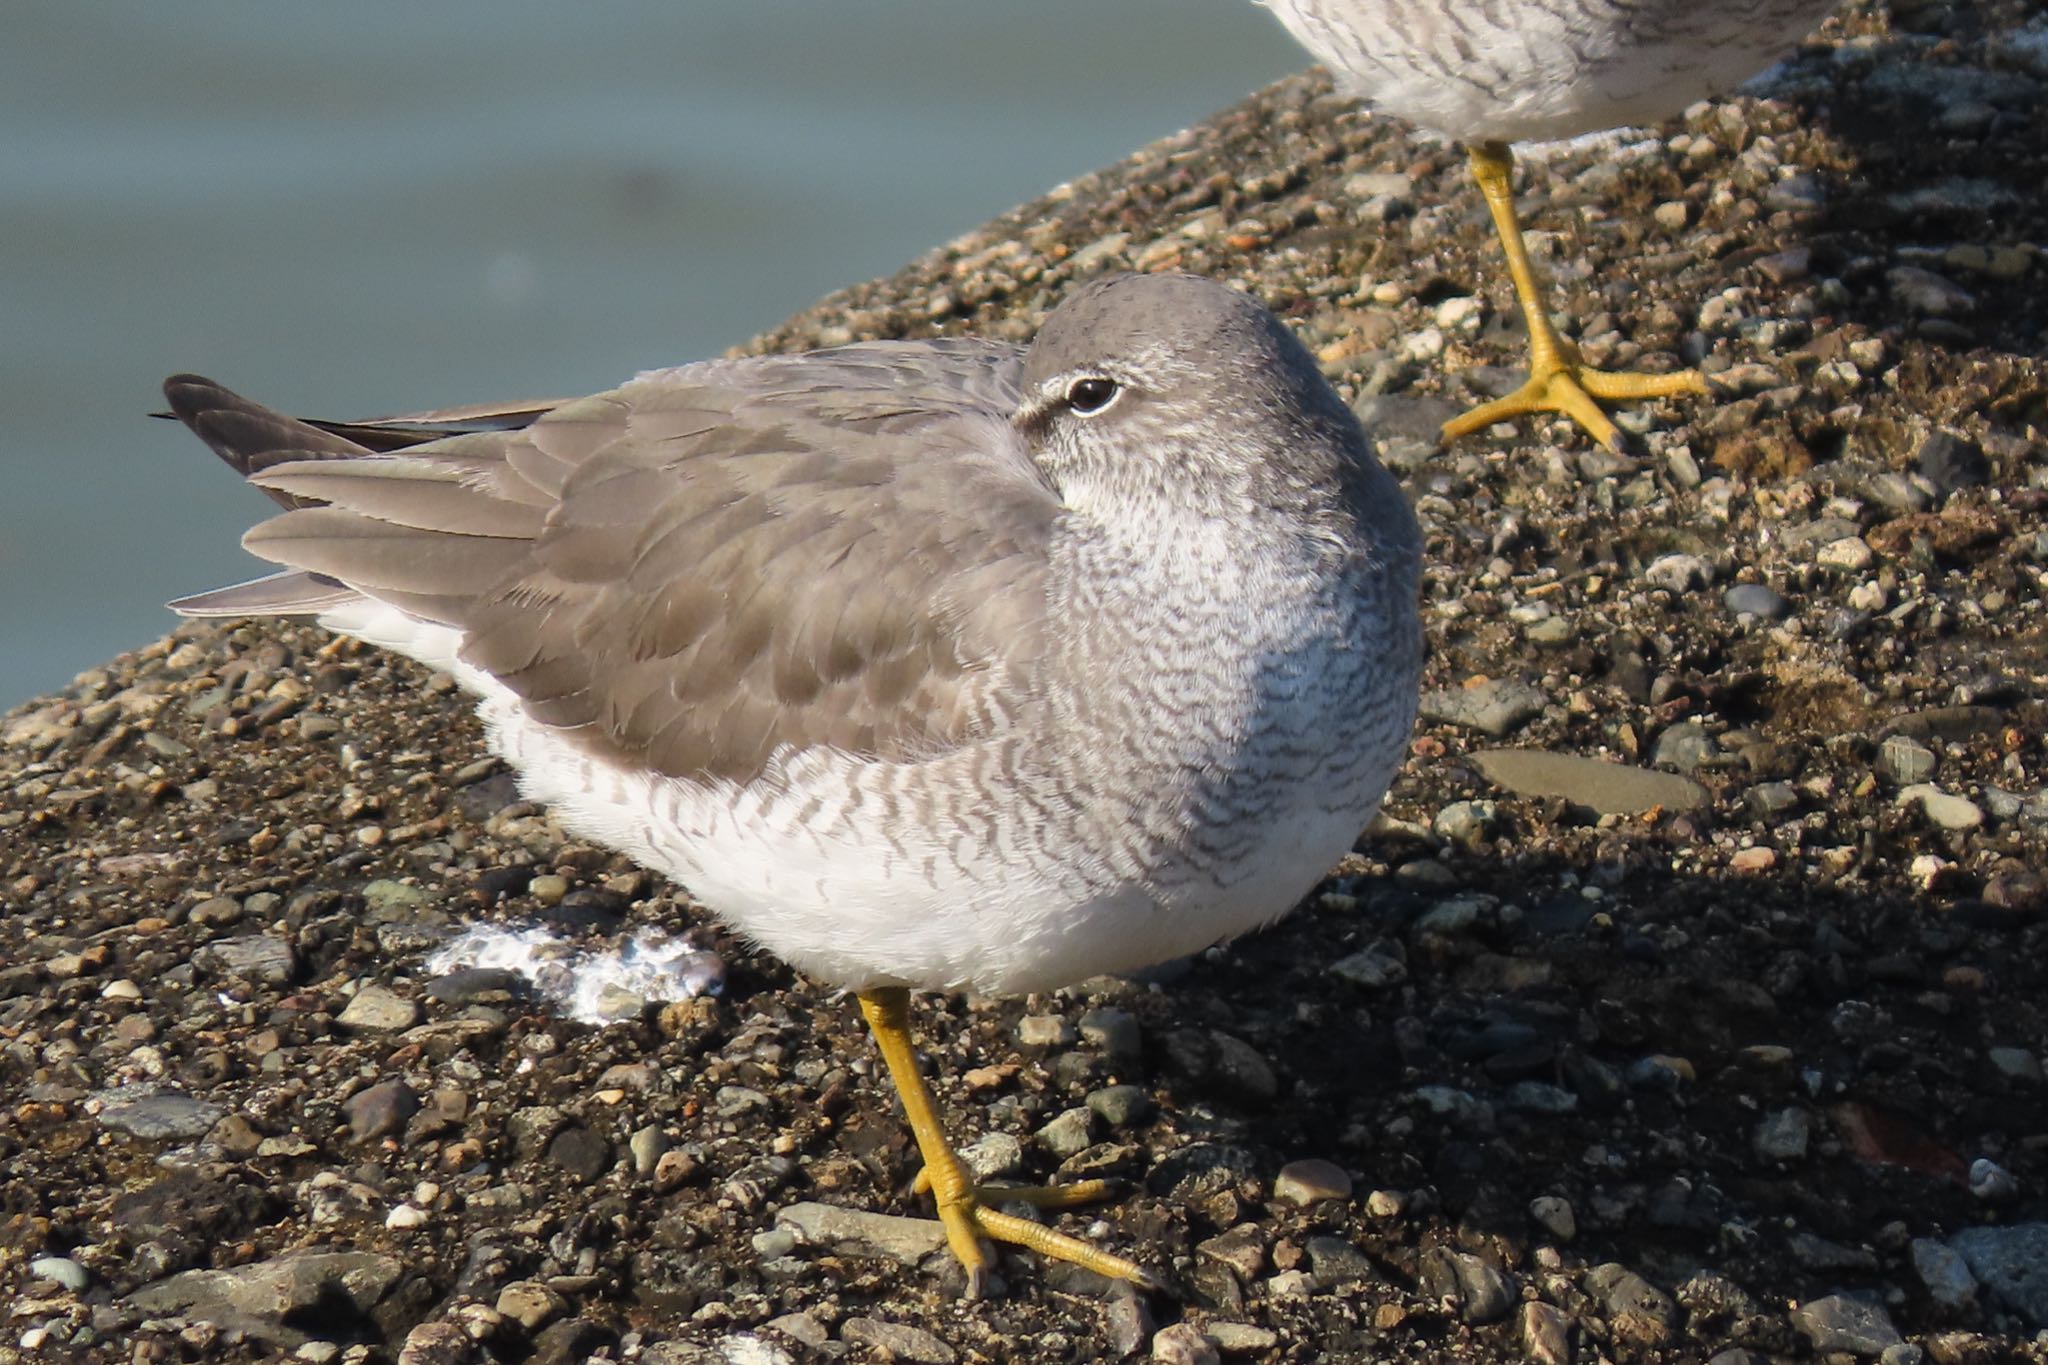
(385, 205)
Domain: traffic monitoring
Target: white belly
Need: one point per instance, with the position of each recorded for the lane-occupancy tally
(1534, 70)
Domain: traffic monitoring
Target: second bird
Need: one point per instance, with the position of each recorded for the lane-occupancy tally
(1495, 72)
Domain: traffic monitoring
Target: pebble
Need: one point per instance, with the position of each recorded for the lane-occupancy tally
(1373, 968)
(156, 1114)
(1116, 1033)
(1639, 1311)
(1842, 1322)
(993, 1155)
(908, 1240)
(1182, 1343)
(1045, 1030)
(548, 888)
(379, 1009)
(1554, 1214)
(2015, 1063)
(270, 1299)
(1850, 554)
(1385, 1203)
(1546, 1334)
(1945, 1273)
(1480, 1292)
(1679, 573)
(1991, 1182)
(1684, 746)
(2012, 1263)
(380, 1110)
(1241, 1338)
(1783, 1135)
(1943, 810)
(1217, 1061)
(1951, 462)
(1311, 1181)
(1754, 599)
(260, 958)
(1069, 1133)
(1465, 822)
(1495, 707)
(1905, 760)
(1119, 1106)
(1604, 788)
(60, 1270)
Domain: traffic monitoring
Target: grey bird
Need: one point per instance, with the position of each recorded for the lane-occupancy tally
(1495, 72)
(938, 664)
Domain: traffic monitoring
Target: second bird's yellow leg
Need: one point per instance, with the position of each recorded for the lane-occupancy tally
(964, 1207)
(1558, 380)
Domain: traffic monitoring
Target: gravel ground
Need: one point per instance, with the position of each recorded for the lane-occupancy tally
(1690, 1003)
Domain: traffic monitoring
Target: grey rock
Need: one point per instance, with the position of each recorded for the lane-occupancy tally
(379, 1009)
(262, 959)
(2011, 1262)
(268, 1299)
(1481, 1292)
(1991, 1182)
(1943, 810)
(1495, 707)
(1783, 1135)
(1639, 1311)
(1844, 1322)
(387, 899)
(1120, 1105)
(1117, 1033)
(380, 1110)
(1905, 760)
(897, 1341)
(1375, 968)
(1604, 788)
(1679, 573)
(908, 1240)
(1182, 1343)
(60, 1270)
(581, 1152)
(1311, 1181)
(1945, 1273)
(1773, 799)
(1554, 1214)
(1069, 1133)
(1950, 461)
(2015, 1063)
(1684, 746)
(1334, 1261)
(1217, 1061)
(157, 1113)
(1546, 1334)
(1464, 822)
(1754, 599)
(994, 1154)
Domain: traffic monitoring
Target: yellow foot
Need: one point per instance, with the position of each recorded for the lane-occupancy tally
(1576, 390)
(966, 1210)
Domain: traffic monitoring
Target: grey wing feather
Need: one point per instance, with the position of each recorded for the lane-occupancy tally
(709, 564)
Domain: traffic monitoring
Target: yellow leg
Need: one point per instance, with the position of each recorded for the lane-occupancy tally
(963, 1207)
(1558, 380)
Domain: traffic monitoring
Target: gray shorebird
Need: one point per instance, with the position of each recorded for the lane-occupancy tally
(1495, 72)
(934, 665)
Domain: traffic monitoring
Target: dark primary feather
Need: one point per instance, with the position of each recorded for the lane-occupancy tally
(707, 564)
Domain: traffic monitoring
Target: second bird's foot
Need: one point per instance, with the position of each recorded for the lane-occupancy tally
(1576, 390)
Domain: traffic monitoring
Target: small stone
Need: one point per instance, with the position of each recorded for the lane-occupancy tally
(1044, 1030)
(1783, 1135)
(1481, 1292)
(1639, 1312)
(2015, 1063)
(1216, 1060)
(548, 888)
(1679, 573)
(2012, 1263)
(993, 1155)
(581, 1152)
(1604, 788)
(1905, 760)
(1850, 554)
(60, 1270)
(647, 1146)
(1945, 1273)
(1555, 1216)
(1385, 1203)
(1928, 294)
(1754, 599)
(1119, 1106)
(157, 1114)
(1991, 1182)
(259, 958)
(1684, 746)
(1942, 809)
(1546, 1337)
(380, 1110)
(1116, 1033)
(1841, 1322)
(1464, 822)
(1183, 1344)
(379, 1009)
(1950, 462)
(1374, 968)
(530, 1303)
(1494, 707)
(1069, 1133)
(1310, 1181)
(1334, 1261)
(1242, 1338)
(907, 1240)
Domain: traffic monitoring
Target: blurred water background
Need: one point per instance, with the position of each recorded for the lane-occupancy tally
(384, 205)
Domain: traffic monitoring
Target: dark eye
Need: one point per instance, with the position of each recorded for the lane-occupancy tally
(1091, 394)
